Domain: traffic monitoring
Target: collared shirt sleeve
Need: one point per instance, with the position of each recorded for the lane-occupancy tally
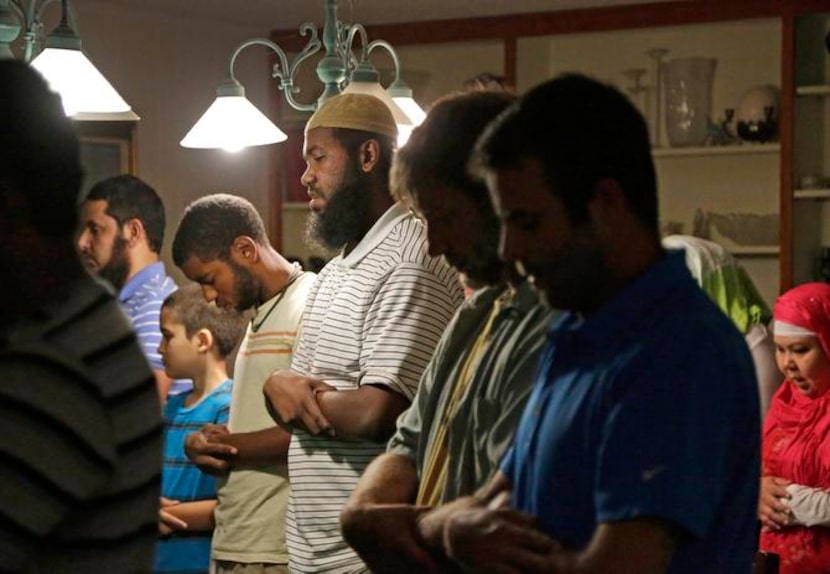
(407, 317)
(508, 464)
(407, 436)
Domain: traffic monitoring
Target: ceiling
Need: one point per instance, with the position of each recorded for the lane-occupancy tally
(287, 14)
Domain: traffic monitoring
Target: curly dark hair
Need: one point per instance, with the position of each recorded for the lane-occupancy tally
(210, 225)
(580, 131)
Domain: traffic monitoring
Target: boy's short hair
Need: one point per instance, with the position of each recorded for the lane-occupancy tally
(194, 312)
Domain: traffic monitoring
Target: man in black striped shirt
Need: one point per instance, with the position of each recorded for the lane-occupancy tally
(79, 413)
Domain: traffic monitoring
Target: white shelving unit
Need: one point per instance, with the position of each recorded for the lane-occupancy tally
(755, 250)
(737, 149)
(821, 193)
(817, 90)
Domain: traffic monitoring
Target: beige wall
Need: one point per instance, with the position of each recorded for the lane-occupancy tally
(168, 69)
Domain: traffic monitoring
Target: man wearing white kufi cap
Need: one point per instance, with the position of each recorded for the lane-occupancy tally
(371, 323)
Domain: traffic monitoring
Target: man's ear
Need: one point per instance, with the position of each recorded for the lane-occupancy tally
(133, 231)
(245, 250)
(609, 206)
(369, 155)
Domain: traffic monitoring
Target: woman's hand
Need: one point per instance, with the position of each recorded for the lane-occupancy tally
(772, 508)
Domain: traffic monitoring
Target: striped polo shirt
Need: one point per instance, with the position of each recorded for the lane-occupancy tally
(141, 298)
(79, 482)
(373, 318)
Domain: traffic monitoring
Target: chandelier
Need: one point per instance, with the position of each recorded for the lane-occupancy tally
(232, 122)
(84, 91)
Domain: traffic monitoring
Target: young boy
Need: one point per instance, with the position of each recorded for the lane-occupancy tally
(196, 338)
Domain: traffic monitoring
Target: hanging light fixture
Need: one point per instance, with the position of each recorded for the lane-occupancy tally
(232, 122)
(85, 92)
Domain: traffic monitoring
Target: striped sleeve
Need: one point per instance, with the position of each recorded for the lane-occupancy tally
(145, 320)
(408, 317)
(60, 456)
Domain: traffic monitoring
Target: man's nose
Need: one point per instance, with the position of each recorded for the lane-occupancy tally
(83, 240)
(308, 177)
(511, 249)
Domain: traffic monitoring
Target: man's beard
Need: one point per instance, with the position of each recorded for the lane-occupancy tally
(246, 289)
(117, 268)
(346, 217)
(483, 266)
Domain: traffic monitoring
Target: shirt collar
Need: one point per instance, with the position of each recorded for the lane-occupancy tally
(149, 273)
(628, 307)
(376, 234)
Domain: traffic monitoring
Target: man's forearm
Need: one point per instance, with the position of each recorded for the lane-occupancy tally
(431, 525)
(379, 520)
(389, 479)
(258, 448)
(368, 413)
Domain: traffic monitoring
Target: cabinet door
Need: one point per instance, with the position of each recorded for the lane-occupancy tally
(107, 149)
(811, 149)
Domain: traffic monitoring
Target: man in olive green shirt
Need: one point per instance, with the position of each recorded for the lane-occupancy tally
(470, 398)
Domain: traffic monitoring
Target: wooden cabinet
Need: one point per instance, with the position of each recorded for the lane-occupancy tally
(810, 176)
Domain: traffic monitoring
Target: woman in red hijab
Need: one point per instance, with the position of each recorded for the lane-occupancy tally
(794, 507)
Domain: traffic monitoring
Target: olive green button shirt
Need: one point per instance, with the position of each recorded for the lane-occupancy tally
(488, 415)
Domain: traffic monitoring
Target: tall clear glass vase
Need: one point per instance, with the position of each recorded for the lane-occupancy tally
(688, 99)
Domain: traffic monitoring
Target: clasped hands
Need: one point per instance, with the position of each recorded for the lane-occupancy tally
(773, 511)
(462, 535)
(291, 400)
(168, 523)
(205, 449)
(499, 539)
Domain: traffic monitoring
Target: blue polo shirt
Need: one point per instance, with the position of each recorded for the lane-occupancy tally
(141, 299)
(646, 408)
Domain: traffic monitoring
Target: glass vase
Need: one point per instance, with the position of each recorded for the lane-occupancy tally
(688, 99)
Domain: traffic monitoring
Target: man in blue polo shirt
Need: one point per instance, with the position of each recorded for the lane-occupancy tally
(121, 240)
(638, 450)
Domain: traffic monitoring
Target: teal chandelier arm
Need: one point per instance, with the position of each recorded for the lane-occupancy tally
(282, 71)
(29, 16)
(397, 83)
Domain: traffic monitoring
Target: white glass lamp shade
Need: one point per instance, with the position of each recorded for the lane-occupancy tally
(411, 108)
(232, 123)
(404, 132)
(375, 89)
(83, 89)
